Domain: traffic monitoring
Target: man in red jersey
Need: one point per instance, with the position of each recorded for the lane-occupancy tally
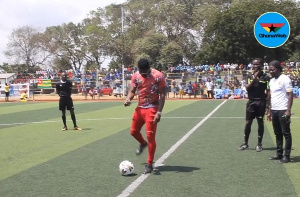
(151, 86)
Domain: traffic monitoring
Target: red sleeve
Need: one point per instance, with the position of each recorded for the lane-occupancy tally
(133, 80)
(161, 80)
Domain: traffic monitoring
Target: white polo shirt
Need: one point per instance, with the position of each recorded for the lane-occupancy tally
(209, 85)
(278, 89)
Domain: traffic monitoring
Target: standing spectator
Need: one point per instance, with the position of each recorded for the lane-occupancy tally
(84, 91)
(181, 90)
(78, 88)
(209, 88)
(6, 90)
(98, 91)
(280, 112)
(152, 91)
(257, 87)
(219, 82)
(92, 93)
(201, 89)
(167, 89)
(63, 89)
(174, 88)
(243, 87)
(190, 89)
(195, 89)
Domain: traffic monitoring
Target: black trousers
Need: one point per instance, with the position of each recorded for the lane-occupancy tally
(281, 126)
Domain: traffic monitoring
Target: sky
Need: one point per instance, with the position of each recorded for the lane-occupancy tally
(41, 14)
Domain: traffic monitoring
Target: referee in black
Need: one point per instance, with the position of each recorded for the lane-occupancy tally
(258, 92)
(63, 89)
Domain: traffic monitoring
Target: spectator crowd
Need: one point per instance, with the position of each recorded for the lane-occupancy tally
(200, 80)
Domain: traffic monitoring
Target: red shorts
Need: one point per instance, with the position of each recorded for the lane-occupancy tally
(143, 116)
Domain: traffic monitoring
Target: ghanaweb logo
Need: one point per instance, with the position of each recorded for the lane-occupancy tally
(271, 29)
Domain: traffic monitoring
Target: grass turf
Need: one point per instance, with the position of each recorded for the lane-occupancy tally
(39, 160)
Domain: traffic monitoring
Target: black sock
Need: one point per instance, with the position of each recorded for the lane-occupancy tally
(64, 120)
(74, 120)
(247, 134)
(260, 131)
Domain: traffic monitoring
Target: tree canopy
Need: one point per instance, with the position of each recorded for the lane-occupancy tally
(165, 31)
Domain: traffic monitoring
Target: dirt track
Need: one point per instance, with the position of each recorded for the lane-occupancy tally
(50, 97)
(75, 97)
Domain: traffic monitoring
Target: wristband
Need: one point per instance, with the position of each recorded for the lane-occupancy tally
(159, 113)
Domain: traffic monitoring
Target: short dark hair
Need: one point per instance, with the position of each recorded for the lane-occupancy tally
(276, 64)
(258, 59)
(143, 64)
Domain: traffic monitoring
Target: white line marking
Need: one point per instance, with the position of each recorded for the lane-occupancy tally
(22, 123)
(81, 120)
(161, 160)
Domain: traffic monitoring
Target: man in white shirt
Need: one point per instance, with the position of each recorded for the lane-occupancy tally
(209, 88)
(280, 112)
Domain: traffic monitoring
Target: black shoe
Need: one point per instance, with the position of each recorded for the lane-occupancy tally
(285, 159)
(276, 157)
(148, 169)
(244, 147)
(140, 148)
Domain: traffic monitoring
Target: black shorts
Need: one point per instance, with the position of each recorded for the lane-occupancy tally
(7, 94)
(255, 109)
(66, 102)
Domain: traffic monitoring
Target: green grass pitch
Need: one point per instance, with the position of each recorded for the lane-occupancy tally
(38, 159)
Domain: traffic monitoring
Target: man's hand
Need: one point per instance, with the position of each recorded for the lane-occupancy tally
(288, 113)
(127, 103)
(156, 118)
(255, 75)
(269, 117)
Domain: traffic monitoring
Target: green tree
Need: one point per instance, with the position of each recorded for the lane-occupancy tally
(171, 54)
(25, 46)
(229, 37)
(151, 45)
(96, 39)
(67, 42)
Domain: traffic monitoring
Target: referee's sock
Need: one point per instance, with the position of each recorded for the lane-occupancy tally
(64, 120)
(74, 119)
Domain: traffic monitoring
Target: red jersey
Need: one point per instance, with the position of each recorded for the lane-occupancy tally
(148, 87)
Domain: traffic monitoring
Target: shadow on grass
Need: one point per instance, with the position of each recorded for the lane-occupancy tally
(130, 175)
(264, 148)
(176, 169)
(295, 159)
(269, 148)
(86, 129)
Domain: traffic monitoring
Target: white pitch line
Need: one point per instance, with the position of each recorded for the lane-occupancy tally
(22, 123)
(80, 120)
(127, 191)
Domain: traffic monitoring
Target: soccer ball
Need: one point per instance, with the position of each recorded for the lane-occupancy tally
(126, 168)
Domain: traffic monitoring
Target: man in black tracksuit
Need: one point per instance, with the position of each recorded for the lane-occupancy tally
(63, 89)
(258, 91)
(281, 101)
